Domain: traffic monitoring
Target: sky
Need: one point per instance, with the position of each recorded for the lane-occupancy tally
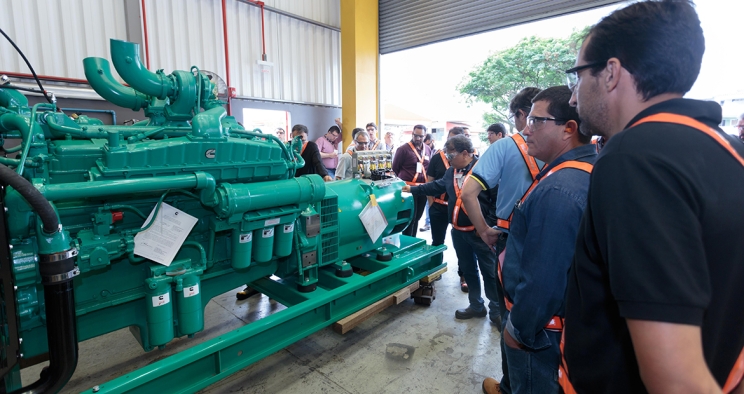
(424, 80)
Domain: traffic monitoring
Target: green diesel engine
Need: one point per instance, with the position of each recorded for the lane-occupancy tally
(107, 227)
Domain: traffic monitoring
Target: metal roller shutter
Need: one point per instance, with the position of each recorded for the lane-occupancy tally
(406, 24)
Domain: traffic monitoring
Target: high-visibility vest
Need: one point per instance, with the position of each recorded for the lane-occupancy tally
(421, 160)
(441, 199)
(556, 322)
(458, 203)
(737, 371)
(531, 164)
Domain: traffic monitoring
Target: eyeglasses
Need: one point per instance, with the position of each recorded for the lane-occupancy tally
(418, 136)
(362, 143)
(741, 128)
(371, 129)
(532, 121)
(450, 156)
(572, 74)
(512, 116)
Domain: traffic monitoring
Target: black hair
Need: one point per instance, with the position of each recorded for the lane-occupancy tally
(523, 100)
(299, 127)
(371, 124)
(456, 131)
(660, 43)
(333, 129)
(497, 128)
(420, 126)
(355, 131)
(559, 108)
(459, 143)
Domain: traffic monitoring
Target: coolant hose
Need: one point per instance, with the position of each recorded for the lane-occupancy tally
(34, 198)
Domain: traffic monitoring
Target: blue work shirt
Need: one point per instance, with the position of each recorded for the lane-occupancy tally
(502, 165)
(540, 248)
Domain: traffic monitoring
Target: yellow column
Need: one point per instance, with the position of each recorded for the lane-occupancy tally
(359, 65)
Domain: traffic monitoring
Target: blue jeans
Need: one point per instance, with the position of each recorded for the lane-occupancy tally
(473, 253)
(534, 371)
(505, 383)
(331, 172)
(428, 218)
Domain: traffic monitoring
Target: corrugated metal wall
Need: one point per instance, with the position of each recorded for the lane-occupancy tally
(55, 35)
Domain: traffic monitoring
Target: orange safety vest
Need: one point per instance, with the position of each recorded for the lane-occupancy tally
(556, 322)
(421, 160)
(304, 145)
(374, 147)
(737, 371)
(531, 164)
(458, 203)
(441, 199)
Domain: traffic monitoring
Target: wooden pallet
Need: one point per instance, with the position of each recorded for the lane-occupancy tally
(346, 324)
(432, 277)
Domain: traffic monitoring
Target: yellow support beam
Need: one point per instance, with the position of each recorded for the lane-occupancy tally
(359, 65)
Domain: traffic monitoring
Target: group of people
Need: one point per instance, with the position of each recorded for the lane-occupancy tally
(613, 266)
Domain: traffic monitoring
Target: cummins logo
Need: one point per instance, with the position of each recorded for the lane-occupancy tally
(210, 153)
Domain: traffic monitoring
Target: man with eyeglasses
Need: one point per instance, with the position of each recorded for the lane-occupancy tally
(495, 132)
(507, 165)
(328, 146)
(374, 143)
(472, 252)
(345, 169)
(654, 296)
(740, 127)
(541, 242)
(410, 164)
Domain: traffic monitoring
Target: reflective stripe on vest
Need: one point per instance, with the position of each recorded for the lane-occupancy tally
(458, 203)
(421, 160)
(531, 164)
(737, 371)
(442, 199)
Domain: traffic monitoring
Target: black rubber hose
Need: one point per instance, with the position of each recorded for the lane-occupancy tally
(38, 82)
(59, 299)
(34, 198)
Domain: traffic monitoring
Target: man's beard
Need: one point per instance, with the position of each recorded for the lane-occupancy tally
(418, 144)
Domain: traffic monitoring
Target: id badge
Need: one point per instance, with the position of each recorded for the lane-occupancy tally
(419, 168)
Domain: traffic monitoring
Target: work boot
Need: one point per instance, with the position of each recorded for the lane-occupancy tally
(246, 293)
(491, 386)
(463, 285)
(496, 320)
(469, 313)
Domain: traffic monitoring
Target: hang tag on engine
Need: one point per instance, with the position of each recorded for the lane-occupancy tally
(161, 242)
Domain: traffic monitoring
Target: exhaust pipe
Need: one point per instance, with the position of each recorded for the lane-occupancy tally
(127, 63)
(98, 74)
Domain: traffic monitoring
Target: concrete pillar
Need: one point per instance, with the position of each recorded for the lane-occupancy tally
(359, 65)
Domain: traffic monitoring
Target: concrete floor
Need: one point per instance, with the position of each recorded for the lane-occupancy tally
(445, 355)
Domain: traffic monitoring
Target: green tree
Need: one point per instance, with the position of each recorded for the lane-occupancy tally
(534, 61)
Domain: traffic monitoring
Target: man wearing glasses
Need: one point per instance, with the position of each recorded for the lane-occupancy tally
(328, 146)
(507, 165)
(541, 242)
(345, 169)
(740, 127)
(472, 252)
(410, 164)
(654, 295)
(374, 143)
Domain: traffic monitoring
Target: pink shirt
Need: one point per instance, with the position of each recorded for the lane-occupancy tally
(326, 146)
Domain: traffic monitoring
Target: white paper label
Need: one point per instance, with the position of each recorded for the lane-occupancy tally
(419, 169)
(245, 238)
(160, 300)
(268, 232)
(374, 221)
(288, 228)
(191, 291)
(164, 238)
(271, 222)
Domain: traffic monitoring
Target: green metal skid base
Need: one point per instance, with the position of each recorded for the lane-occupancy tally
(306, 313)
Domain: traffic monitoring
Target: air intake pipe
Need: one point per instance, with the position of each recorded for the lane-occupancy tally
(98, 74)
(125, 56)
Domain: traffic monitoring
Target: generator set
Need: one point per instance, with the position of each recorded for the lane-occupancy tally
(105, 227)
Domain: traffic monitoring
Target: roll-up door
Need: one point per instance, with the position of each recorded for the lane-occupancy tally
(406, 24)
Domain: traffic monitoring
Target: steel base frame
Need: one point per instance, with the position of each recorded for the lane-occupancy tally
(306, 313)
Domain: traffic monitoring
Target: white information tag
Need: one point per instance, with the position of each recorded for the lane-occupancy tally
(268, 232)
(374, 220)
(160, 300)
(426, 158)
(245, 238)
(191, 291)
(419, 169)
(288, 228)
(271, 222)
(164, 238)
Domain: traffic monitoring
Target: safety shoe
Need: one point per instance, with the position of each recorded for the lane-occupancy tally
(491, 386)
(463, 285)
(469, 313)
(425, 228)
(496, 320)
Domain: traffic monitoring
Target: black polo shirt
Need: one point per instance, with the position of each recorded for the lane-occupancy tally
(660, 240)
(436, 171)
(313, 162)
